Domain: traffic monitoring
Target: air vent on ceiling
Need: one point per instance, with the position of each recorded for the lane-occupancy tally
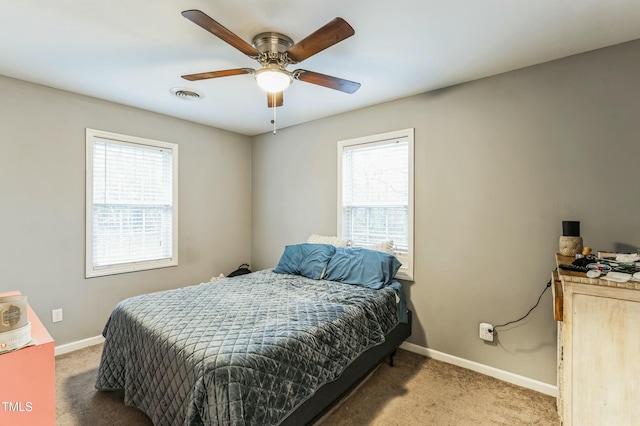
(188, 94)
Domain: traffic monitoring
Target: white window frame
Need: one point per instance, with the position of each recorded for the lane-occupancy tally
(406, 270)
(92, 270)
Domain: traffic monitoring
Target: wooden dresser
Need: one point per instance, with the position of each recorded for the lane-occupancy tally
(598, 349)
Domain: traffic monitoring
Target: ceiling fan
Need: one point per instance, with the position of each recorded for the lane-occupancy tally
(274, 52)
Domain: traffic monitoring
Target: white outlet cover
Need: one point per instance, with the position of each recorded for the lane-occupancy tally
(56, 315)
(486, 332)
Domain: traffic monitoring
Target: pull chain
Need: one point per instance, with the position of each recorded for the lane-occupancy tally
(273, 102)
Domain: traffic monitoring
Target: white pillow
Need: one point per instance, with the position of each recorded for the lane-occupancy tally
(384, 246)
(325, 239)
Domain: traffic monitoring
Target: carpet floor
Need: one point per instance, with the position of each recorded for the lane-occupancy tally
(416, 391)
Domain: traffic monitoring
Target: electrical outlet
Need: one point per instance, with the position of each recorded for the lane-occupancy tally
(56, 315)
(486, 331)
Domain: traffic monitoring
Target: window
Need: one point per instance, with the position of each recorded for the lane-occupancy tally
(375, 193)
(132, 208)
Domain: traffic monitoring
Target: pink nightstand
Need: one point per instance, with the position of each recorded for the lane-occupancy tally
(27, 379)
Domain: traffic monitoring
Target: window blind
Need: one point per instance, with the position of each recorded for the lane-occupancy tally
(132, 203)
(375, 194)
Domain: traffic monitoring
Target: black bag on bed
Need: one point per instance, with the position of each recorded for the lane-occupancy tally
(242, 270)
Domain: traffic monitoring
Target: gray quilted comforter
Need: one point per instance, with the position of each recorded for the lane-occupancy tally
(246, 350)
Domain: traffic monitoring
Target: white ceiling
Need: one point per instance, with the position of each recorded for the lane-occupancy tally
(133, 52)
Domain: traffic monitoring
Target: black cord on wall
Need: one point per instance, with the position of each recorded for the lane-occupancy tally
(527, 314)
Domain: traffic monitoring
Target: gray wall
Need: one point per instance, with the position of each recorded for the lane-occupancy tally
(42, 205)
(499, 163)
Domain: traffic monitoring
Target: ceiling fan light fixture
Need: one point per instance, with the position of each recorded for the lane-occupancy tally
(273, 79)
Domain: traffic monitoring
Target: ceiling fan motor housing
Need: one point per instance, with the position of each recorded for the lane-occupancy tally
(273, 49)
(271, 42)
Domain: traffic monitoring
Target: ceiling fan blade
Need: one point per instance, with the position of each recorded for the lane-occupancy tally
(203, 20)
(216, 74)
(326, 81)
(275, 98)
(332, 33)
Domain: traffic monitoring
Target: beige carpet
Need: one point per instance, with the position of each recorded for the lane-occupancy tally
(416, 391)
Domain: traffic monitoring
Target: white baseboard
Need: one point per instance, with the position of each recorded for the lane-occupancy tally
(80, 344)
(506, 376)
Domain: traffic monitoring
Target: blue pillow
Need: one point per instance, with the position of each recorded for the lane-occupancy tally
(308, 260)
(360, 266)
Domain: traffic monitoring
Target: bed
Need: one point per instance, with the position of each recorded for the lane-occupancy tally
(270, 347)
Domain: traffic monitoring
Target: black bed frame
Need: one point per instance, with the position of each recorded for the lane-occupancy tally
(331, 393)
